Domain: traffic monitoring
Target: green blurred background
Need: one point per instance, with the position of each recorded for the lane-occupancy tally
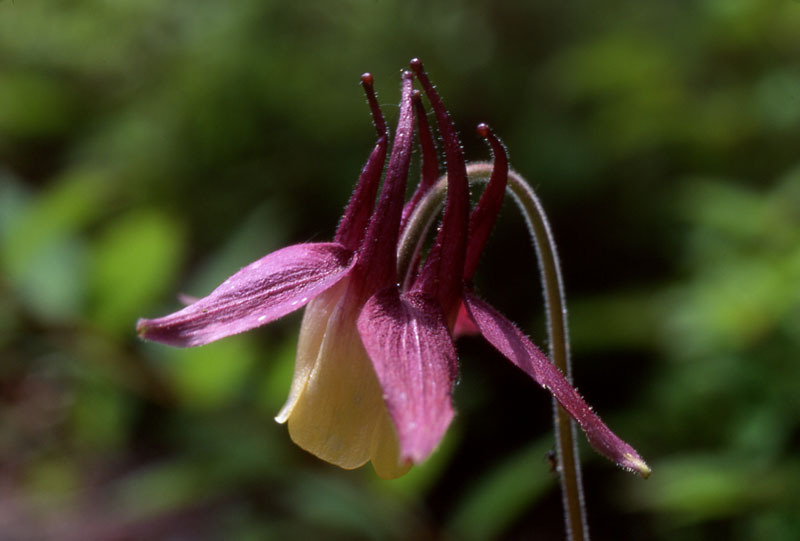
(149, 148)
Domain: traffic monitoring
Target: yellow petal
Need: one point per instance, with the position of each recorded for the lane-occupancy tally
(312, 330)
(385, 450)
(340, 415)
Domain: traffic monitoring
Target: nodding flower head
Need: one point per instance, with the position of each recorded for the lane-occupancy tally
(376, 363)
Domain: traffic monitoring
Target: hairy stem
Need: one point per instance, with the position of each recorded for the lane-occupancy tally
(552, 284)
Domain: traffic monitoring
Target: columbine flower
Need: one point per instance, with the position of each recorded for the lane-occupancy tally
(376, 364)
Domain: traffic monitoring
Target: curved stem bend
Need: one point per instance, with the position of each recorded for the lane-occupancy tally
(555, 304)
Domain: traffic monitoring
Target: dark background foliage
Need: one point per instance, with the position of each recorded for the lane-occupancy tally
(151, 147)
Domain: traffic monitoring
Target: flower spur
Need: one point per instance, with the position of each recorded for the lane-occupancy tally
(376, 363)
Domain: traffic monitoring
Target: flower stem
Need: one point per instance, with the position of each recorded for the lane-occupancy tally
(558, 335)
(557, 329)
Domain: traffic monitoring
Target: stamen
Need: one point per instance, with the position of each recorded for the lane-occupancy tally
(483, 218)
(377, 116)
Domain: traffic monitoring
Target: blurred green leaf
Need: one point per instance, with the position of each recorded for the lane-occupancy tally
(210, 376)
(697, 488)
(53, 283)
(158, 488)
(274, 387)
(336, 504)
(41, 250)
(500, 496)
(619, 321)
(35, 105)
(100, 417)
(778, 98)
(60, 211)
(53, 480)
(14, 199)
(135, 261)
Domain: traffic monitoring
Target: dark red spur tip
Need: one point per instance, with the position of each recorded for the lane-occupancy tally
(443, 269)
(484, 216)
(358, 211)
(377, 261)
(368, 83)
(430, 161)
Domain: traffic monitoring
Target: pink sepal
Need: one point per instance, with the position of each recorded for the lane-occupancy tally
(406, 338)
(263, 291)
